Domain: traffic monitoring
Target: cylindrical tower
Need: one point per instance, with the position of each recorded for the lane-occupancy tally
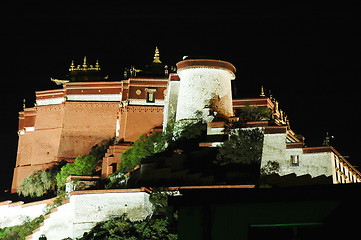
(205, 86)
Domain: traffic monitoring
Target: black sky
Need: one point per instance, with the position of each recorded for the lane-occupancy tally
(307, 55)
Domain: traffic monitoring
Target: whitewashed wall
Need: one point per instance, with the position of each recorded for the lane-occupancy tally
(12, 214)
(86, 208)
(315, 164)
(171, 101)
(204, 87)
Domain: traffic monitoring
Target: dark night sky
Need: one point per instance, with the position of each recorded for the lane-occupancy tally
(307, 55)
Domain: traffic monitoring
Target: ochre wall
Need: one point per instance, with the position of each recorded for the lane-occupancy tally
(86, 124)
(136, 120)
(63, 131)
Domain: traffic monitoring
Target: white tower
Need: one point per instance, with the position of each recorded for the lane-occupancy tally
(205, 86)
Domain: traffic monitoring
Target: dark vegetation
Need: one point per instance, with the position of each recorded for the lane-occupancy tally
(51, 181)
(160, 225)
(21, 231)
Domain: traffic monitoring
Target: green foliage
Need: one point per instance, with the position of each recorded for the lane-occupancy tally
(242, 147)
(178, 134)
(83, 165)
(272, 167)
(252, 113)
(38, 183)
(99, 150)
(21, 231)
(143, 147)
(160, 225)
(185, 130)
(116, 180)
(122, 228)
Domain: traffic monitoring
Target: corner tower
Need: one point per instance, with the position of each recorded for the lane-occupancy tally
(205, 89)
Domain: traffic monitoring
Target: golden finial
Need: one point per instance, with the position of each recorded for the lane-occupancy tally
(97, 65)
(84, 63)
(72, 66)
(262, 92)
(156, 56)
(24, 101)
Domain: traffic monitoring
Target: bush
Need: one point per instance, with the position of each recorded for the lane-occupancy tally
(254, 113)
(99, 150)
(161, 225)
(143, 147)
(179, 134)
(242, 147)
(83, 166)
(38, 183)
(21, 231)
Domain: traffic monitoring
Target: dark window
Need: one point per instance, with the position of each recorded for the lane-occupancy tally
(114, 167)
(295, 160)
(150, 95)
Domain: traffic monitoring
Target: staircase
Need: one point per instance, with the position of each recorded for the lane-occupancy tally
(112, 158)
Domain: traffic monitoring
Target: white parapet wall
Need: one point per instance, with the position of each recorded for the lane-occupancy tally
(12, 214)
(86, 208)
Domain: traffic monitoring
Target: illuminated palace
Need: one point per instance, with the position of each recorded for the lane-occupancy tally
(90, 108)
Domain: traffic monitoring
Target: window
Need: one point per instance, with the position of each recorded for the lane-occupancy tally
(295, 160)
(114, 167)
(150, 94)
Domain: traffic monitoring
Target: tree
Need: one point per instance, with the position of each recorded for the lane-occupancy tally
(144, 146)
(242, 147)
(83, 165)
(38, 183)
(161, 225)
(254, 113)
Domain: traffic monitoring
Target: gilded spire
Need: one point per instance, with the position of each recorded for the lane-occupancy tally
(262, 92)
(156, 56)
(72, 66)
(84, 63)
(97, 65)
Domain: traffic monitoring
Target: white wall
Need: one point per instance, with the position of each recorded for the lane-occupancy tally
(86, 208)
(204, 87)
(12, 214)
(274, 149)
(171, 101)
(315, 164)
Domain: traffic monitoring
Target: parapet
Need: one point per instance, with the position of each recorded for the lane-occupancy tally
(206, 63)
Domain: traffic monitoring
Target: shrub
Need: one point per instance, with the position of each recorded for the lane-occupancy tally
(272, 167)
(99, 150)
(242, 147)
(143, 147)
(38, 183)
(21, 231)
(254, 113)
(161, 225)
(83, 165)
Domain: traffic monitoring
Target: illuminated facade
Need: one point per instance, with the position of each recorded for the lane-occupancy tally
(89, 108)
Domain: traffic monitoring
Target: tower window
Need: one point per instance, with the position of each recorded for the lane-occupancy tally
(150, 95)
(295, 160)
